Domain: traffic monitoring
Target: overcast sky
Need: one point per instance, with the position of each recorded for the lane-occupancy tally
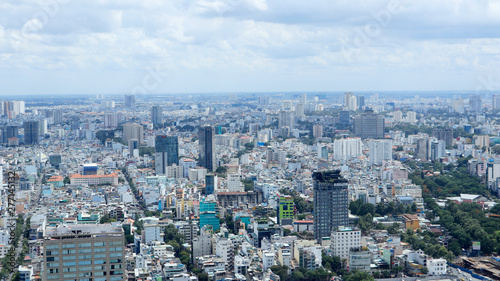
(165, 46)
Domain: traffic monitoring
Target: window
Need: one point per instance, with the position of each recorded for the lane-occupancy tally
(67, 252)
(85, 268)
(99, 256)
(101, 267)
(67, 246)
(51, 253)
(84, 251)
(99, 244)
(70, 263)
(53, 264)
(52, 247)
(84, 262)
(115, 243)
(84, 257)
(85, 274)
(52, 258)
(84, 245)
(99, 261)
(115, 255)
(115, 249)
(69, 269)
(99, 250)
(52, 277)
(69, 275)
(69, 258)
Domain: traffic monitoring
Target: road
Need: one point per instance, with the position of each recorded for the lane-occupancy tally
(462, 274)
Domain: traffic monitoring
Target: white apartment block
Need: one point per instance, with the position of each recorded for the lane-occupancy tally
(380, 150)
(345, 149)
(343, 240)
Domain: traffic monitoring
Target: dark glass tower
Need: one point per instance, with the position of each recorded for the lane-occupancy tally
(156, 115)
(31, 130)
(330, 203)
(167, 153)
(207, 153)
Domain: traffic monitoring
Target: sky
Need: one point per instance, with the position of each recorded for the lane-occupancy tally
(181, 46)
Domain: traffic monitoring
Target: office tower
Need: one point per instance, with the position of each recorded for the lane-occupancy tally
(286, 209)
(133, 131)
(130, 101)
(423, 149)
(75, 123)
(31, 132)
(496, 102)
(286, 119)
(475, 103)
(43, 126)
(90, 169)
(57, 114)
(156, 115)
(110, 120)
(344, 120)
(397, 116)
(443, 134)
(330, 203)
(318, 131)
(211, 182)
(347, 99)
(353, 104)
(380, 150)
(361, 102)
(411, 116)
(8, 132)
(438, 149)
(84, 252)
(303, 99)
(166, 153)
(207, 148)
(55, 160)
(345, 149)
(369, 125)
(208, 215)
(390, 106)
(299, 110)
(263, 100)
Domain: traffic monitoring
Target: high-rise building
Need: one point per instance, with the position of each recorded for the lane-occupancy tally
(438, 149)
(287, 105)
(166, 153)
(286, 119)
(347, 99)
(444, 134)
(94, 252)
(330, 203)
(361, 102)
(129, 100)
(8, 132)
(411, 116)
(458, 105)
(318, 131)
(111, 120)
(156, 115)
(210, 183)
(343, 239)
(300, 109)
(475, 103)
(207, 148)
(208, 215)
(397, 116)
(496, 102)
(380, 150)
(369, 125)
(75, 123)
(133, 131)
(344, 120)
(286, 209)
(31, 132)
(345, 149)
(423, 149)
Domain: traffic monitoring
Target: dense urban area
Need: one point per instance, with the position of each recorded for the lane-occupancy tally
(278, 186)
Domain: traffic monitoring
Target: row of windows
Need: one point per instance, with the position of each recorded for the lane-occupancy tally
(84, 245)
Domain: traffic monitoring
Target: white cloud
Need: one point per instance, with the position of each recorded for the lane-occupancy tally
(324, 45)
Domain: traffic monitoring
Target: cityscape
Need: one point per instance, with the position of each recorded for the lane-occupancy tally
(249, 140)
(309, 186)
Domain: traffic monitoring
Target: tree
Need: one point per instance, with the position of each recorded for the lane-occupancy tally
(203, 276)
(281, 271)
(425, 270)
(221, 170)
(359, 276)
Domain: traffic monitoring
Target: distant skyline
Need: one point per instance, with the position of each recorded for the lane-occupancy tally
(154, 46)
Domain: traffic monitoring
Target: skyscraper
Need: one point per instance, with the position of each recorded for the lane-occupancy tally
(111, 120)
(129, 100)
(207, 152)
(133, 131)
(94, 252)
(330, 203)
(444, 134)
(361, 102)
(380, 150)
(31, 132)
(75, 123)
(286, 119)
(369, 125)
(475, 103)
(156, 115)
(166, 153)
(344, 120)
(9, 132)
(496, 102)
